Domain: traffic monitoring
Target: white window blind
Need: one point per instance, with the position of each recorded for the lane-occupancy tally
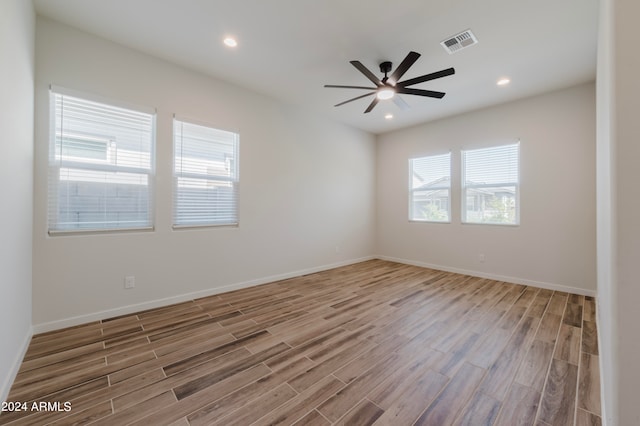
(100, 166)
(205, 175)
(430, 188)
(490, 192)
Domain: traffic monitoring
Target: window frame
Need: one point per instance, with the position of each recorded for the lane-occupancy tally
(412, 190)
(72, 162)
(464, 186)
(235, 180)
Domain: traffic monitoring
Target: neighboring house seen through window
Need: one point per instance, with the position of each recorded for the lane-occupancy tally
(101, 166)
(491, 185)
(430, 188)
(205, 175)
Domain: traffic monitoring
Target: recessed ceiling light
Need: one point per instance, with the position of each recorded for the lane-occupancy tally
(388, 116)
(230, 41)
(385, 94)
(503, 82)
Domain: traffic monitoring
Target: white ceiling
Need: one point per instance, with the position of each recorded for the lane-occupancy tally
(289, 49)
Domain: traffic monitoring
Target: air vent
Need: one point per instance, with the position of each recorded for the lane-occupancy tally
(459, 41)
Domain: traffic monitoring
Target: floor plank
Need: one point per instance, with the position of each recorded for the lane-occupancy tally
(365, 413)
(312, 419)
(558, 401)
(589, 337)
(417, 395)
(481, 410)
(589, 384)
(520, 407)
(453, 398)
(533, 369)
(568, 345)
(585, 418)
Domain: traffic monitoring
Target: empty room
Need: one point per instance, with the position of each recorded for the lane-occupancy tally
(319, 212)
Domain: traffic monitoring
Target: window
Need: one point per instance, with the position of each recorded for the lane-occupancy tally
(100, 166)
(430, 188)
(490, 179)
(205, 175)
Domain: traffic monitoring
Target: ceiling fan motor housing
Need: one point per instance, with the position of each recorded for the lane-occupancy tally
(385, 67)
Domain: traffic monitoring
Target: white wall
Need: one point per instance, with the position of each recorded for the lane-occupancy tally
(17, 28)
(307, 185)
(555, 244)
(618, 204)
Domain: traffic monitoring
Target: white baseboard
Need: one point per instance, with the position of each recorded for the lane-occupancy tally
(15, 367)
(514, 280)
(129, 309)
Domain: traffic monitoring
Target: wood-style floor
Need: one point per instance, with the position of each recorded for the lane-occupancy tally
(375, 342)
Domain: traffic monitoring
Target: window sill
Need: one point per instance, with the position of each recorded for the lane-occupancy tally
(430, 221)
(188, 227)
(70, 232)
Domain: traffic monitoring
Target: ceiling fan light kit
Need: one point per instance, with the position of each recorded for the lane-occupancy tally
(389, 86)
(384, 94)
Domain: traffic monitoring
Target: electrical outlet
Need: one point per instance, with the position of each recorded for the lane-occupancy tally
(481, 257)
(129, 282)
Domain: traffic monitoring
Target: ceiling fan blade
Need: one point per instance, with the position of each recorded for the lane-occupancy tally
(371, 76)
(406, 63)
(420, 92)
(373, 103)
(400, 103)
(350, 87)
(355, 99)
(427, 77)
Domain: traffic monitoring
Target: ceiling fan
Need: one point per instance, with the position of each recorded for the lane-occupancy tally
(389, 86)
